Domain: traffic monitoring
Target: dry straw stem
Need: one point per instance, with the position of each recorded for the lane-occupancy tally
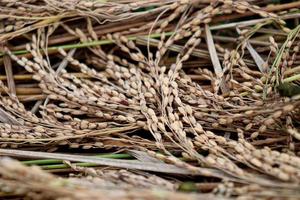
(213, 53)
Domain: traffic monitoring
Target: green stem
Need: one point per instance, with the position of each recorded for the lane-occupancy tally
(88, 44)
(290, 37)
(64, 166)
(292, 78)
(54, 161)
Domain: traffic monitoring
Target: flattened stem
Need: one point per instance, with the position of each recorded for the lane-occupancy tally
(9, 74)
(213, 52)
(215, 59)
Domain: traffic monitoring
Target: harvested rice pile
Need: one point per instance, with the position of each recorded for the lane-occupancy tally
(150, 99)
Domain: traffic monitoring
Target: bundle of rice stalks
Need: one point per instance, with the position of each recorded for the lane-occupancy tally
(142, 100)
